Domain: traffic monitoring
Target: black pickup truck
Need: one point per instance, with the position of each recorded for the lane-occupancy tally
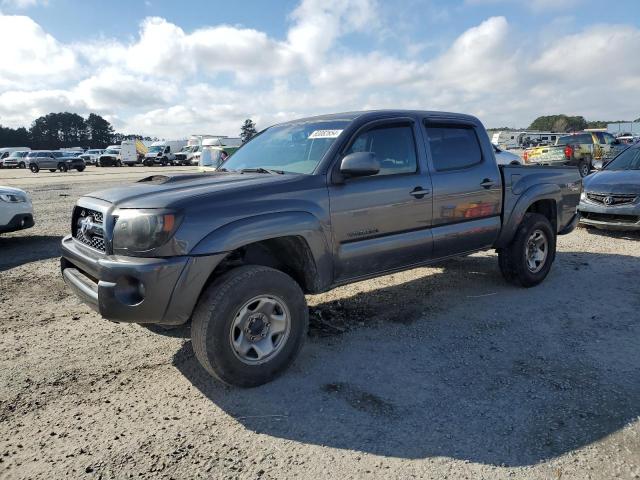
(303, 207)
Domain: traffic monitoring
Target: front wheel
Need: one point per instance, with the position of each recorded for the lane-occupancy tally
(249, 325)
(34, 168)
(118, 163)
(526, 261)
(21, 165)
(80, 169)
(62, 167)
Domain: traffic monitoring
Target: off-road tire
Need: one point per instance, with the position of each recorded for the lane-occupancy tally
(216, 310)
(34, 168)
(512, 259)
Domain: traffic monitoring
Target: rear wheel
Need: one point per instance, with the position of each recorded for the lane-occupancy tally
(34, 168)
(80, 169)
(528, 258)
(21, 165)
(249, 325)
(584, 167)
(118, 163)
(62, 167)
(53, 170)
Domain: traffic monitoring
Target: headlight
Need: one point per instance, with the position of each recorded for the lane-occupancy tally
(13, 197)
(138, 231)
(583, 195)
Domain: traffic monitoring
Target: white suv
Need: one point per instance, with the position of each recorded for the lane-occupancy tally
(16, 211)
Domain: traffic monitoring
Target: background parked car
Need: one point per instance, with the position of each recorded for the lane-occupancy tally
(52, 161)
(91, 157)
(110, 158)
(16, 211)
(6, 151)
(611, 197)
(506, 158)
(16, 160)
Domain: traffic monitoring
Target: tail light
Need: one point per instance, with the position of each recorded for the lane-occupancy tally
(525, 156)
(568, 152)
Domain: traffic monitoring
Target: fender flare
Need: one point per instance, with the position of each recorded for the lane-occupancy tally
(268, 226)
(545, 191)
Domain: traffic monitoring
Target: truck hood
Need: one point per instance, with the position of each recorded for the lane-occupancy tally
(612, 181)
(161, 191)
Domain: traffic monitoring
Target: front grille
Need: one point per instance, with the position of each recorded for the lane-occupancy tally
(88, 227)
(181, 156)
(612, 199)
(606, 217)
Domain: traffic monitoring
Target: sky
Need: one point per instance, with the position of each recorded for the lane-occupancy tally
(171, 69)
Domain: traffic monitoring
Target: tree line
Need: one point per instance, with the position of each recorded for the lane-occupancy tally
(64, 130)
(565, 123)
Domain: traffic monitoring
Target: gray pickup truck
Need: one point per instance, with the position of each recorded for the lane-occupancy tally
(303, 207)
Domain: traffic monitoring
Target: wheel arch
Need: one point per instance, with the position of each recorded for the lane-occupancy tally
(543, 199)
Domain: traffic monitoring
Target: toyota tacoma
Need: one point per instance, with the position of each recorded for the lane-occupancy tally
(303, 207)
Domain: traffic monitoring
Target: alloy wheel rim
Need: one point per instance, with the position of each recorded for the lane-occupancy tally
(537, 250)
(260, 329)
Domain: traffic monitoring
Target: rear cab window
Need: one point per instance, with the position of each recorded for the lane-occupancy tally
(453, 147)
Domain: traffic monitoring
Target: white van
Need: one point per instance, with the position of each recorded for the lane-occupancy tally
(6, 151)
(128, 152)
(163, 152)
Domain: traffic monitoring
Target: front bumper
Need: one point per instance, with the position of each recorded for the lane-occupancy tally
(136, 289)
(19, 221)
(625, 217)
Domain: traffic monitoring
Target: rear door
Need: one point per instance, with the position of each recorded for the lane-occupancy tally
(46, 160)
(382, 222)
(467, 188)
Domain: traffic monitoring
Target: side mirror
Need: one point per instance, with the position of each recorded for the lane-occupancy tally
(360, 164)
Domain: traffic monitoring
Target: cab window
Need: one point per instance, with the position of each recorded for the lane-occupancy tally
(453, 148)
(394, 147)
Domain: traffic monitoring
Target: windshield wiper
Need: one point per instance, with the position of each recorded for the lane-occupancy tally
(262, 170)
(223, 169)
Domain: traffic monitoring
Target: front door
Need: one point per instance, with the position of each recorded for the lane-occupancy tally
(382, 222)
(467, 189)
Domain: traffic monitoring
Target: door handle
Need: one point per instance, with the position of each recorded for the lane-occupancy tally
(419, 192)
(487, 183)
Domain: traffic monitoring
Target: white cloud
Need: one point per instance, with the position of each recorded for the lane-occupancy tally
(31, 56)
(171, 82)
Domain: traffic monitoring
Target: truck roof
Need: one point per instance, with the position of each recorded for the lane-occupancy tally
(374, 114)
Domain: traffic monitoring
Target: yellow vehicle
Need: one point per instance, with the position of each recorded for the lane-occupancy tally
(585, 150)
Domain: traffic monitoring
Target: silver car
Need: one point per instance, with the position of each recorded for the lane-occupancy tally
(611, 197)
(16, 160)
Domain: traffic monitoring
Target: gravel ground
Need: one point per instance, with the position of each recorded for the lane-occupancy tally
(443, 372)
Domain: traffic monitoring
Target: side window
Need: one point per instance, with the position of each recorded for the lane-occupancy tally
(394, 147)
(453, 148)
(585, 139)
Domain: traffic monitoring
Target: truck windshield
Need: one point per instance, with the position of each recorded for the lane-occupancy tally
(294, 147)
(627, 160)
(156, 148)
(112, 151)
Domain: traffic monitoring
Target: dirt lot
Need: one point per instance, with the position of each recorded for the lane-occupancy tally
(443, 372)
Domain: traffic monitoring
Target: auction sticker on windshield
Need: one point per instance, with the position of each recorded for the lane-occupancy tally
(325, 134)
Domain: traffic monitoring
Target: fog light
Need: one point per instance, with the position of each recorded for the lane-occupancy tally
(129, 291)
